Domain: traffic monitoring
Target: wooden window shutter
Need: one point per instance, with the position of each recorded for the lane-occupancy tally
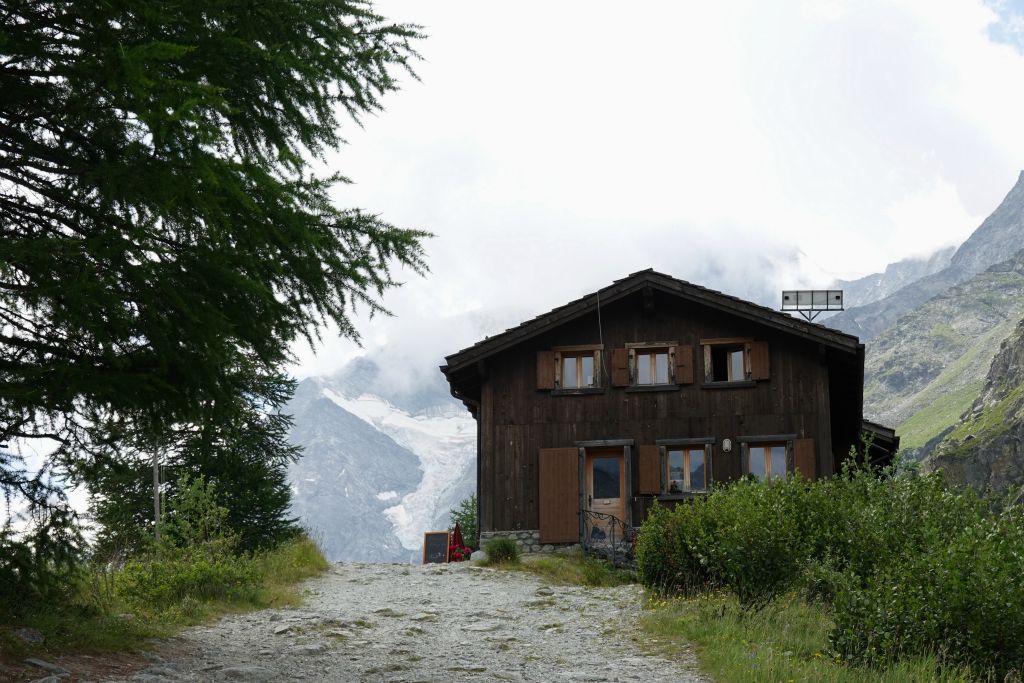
(620, 367)
(758, 359)
(650, 470)
(709, 374)
(559, 480)
(684, 364)
(804, 460)
(545, 369)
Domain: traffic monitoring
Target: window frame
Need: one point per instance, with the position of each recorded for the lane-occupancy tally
(728, 344)
(635, 349)
(705, 444)
(687, 470)
(579, 352)
(768, 441)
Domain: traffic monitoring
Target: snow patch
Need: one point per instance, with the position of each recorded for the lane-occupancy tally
(445, 445)
(387, 495)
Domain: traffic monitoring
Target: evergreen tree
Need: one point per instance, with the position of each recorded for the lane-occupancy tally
(163, 238)
(240, 448)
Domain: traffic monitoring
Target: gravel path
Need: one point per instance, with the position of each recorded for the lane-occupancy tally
(374, 622)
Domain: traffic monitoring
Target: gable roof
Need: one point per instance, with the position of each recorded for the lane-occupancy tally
(636, 282)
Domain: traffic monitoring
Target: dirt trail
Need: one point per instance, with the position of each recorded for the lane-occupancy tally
(367, 622)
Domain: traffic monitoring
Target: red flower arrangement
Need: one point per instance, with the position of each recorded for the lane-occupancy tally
(459, 553)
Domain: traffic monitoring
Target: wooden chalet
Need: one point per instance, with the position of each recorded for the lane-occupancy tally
(651, 388)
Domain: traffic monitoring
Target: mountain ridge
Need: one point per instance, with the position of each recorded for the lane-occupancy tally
(923, 371)
(988, 245)
(381, 465)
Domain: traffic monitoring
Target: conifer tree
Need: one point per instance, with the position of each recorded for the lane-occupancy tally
(163, 235)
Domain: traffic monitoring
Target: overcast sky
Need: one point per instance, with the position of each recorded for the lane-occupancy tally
(746, 146)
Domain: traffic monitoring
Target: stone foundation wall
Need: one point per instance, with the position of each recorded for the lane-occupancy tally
(528, 541)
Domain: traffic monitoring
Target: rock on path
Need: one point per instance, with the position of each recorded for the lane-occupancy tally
(366, 622)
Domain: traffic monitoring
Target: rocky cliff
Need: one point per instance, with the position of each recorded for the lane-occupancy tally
(984, 449)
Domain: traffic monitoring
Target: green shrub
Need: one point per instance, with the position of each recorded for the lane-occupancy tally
(911, 567)
(164, 582)
(962, 600)
(745, 537)
(194, 560)
(667, 549)
(502, 550)
(756, 545)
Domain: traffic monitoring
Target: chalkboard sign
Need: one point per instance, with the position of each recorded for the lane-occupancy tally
(435, 547)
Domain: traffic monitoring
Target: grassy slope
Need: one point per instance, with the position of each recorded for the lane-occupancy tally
(954, 333)
(787, 641)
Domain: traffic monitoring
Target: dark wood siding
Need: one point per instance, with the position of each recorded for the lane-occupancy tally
(517, 420)
(559, 484)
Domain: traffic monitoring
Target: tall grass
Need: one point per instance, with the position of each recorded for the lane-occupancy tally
(101, 615)
(786, 641)
(575, 569)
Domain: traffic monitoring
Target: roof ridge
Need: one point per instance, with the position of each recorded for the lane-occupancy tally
(649, 274)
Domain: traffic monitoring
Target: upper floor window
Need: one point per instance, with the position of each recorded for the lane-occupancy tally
(578, 369)
(570, 368)
(651, 366)
(652, 363)
(734, 359)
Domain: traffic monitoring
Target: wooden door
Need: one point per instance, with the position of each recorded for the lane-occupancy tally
(606, 481)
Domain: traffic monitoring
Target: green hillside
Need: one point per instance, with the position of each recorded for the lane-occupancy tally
(923, 372)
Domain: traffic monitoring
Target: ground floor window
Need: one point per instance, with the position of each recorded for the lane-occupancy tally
(687, 469)
(767, 461)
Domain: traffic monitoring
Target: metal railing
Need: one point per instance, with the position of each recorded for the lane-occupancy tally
(609, 538)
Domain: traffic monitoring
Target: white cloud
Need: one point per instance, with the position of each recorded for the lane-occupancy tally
(746, 146)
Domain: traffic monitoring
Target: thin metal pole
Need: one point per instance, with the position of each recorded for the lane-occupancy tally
(156, 494)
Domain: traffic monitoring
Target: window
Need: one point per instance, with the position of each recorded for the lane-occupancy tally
(577, 368)
(727, 364)
(578, 371)
(767, 462)
(687, 469)
(675, 467)
(652, 364)
(734, 359)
